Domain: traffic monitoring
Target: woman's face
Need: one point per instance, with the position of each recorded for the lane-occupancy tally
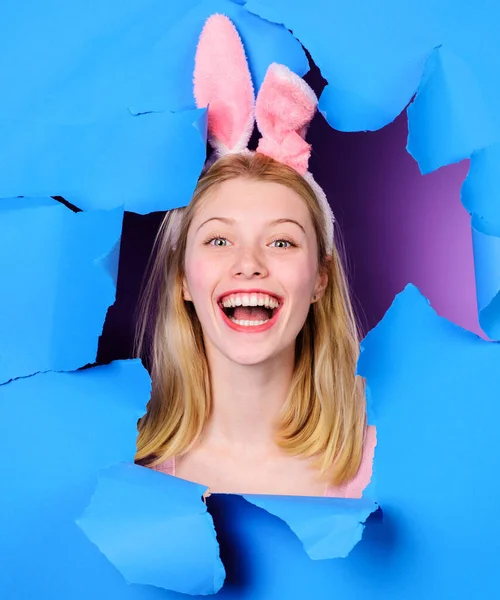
(251, 269)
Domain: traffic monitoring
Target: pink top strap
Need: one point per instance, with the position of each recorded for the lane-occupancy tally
(352, 489)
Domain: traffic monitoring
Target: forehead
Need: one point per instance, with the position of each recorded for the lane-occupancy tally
(247, 200)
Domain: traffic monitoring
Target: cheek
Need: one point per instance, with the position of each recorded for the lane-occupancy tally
(300, 279)
(195, 275)
(201, 278)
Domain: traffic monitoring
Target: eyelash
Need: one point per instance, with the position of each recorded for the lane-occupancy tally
(276, 239)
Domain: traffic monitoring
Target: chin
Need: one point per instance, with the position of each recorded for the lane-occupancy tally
(252, 356)
(250, 359)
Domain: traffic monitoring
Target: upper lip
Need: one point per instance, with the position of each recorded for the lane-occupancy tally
(251, 291)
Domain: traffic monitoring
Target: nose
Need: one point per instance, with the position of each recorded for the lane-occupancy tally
(250, 263)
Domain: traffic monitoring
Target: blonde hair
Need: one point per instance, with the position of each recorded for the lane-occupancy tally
(324, 414)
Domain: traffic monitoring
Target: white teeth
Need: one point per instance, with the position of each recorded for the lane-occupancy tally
(249, 323)
(250, 300)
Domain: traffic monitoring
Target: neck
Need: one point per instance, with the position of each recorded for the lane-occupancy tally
(246, 401)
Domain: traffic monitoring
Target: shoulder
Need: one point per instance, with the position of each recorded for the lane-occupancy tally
(167, 466)
(355, 487)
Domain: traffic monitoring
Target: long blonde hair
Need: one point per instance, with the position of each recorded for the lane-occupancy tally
(324, 414)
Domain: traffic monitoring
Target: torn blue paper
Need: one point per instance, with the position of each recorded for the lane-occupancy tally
(487, 272)
(145, 163)
(155, 529)
(371, 54)
(86, 60)
(481, 189)
(481, 197)
(58, 287)
(265, 559)
(117, 55)
(327, 527)
(435, 390)
(111, 262)
(57, 431)
(448, 120)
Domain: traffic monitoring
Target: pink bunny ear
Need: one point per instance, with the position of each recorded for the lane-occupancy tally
(284, 108)
(222, 81)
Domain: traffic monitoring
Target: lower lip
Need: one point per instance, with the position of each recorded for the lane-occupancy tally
(251, 328)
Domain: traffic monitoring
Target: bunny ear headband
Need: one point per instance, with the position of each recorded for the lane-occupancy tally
(283, 109)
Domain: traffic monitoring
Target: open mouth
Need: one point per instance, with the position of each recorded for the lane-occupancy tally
(250, 310)
(252, 316)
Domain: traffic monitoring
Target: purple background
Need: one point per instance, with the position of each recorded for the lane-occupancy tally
(397, 225)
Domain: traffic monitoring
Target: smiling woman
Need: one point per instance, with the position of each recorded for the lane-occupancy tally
(247, 322)
(269, 408)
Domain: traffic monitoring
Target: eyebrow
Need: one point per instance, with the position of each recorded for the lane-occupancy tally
(271, 223)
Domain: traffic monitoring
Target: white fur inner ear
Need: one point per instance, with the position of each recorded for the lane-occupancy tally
(283, 72)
